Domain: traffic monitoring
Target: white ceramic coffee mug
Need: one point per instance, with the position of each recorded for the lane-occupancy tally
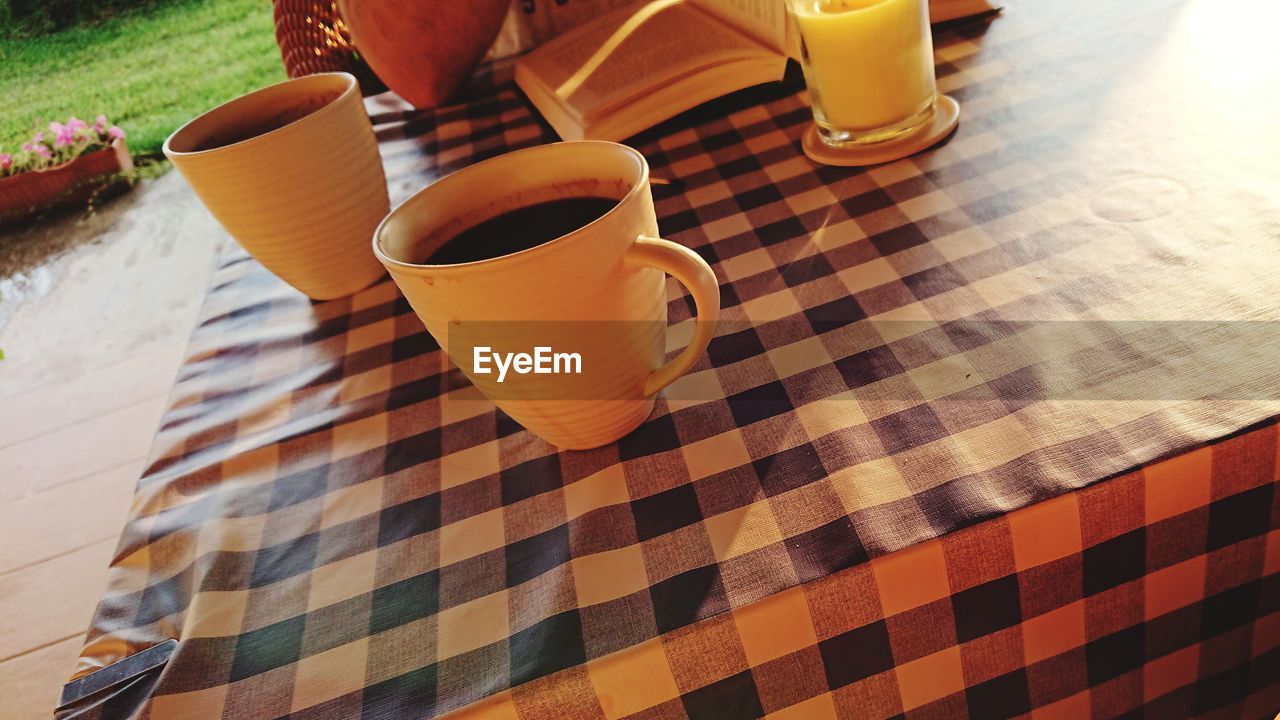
(292, 171)
(597, 293)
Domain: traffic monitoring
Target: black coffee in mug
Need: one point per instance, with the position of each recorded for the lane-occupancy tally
(521, 229)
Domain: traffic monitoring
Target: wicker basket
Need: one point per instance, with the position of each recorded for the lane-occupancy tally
(313, 39)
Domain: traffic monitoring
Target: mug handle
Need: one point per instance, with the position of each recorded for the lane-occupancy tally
(694, 273)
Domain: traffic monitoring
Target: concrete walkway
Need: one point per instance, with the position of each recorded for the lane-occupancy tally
(94, 318)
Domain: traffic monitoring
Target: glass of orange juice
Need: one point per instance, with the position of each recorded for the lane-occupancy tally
(869, 67)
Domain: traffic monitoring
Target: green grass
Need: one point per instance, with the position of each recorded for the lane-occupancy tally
(149, 71)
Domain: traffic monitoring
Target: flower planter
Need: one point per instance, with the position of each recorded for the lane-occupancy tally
(30, 192)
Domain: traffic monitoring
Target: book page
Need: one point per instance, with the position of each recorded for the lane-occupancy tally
(530, 23)
(630, 51)
(943, 10)
(765, 20)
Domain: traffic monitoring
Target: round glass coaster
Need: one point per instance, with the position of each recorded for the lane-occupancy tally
(946, 116)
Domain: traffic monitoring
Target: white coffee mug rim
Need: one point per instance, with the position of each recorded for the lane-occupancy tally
(638, 187)
(352, 86)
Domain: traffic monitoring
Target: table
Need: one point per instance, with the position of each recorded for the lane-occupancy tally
(988, 431)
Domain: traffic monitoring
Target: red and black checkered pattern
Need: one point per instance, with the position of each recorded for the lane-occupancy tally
(334, 523)
(1154, 594)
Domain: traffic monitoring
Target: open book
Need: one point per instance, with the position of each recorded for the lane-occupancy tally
(633, 67)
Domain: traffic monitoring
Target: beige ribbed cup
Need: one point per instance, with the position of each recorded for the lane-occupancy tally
(598, 292)
(292, 171)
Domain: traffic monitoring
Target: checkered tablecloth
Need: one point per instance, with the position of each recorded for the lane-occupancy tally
(879, 492)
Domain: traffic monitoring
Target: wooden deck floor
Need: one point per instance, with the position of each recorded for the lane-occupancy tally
(92, 339)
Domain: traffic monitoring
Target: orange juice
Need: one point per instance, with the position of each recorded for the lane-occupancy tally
(868, 65)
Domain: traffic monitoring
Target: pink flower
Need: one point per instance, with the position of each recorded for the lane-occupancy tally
(100, 124)
(75, 124)
(62, 135)
(43, 152)
(28, 147)
(37, 138)
(6, 161)
(115, 133)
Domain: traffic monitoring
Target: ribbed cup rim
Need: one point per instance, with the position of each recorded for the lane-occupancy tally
(461, 176)
(351, 86)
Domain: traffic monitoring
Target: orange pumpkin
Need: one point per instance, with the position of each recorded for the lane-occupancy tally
(424, 50)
